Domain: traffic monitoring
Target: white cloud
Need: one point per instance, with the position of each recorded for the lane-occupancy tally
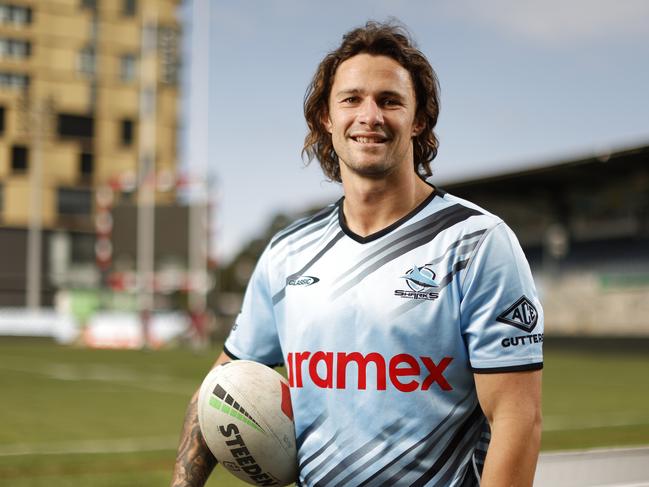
(554, 22)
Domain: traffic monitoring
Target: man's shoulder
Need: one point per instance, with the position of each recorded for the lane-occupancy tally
(486, 218)
(305, 226)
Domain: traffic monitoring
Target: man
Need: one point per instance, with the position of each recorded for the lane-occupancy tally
(407, 318)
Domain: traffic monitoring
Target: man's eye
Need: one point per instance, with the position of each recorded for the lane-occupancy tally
(350, 99)
(390, 102)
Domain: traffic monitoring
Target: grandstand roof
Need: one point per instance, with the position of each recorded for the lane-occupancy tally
(585, 170)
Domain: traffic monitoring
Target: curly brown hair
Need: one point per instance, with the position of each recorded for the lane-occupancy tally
(376, 38)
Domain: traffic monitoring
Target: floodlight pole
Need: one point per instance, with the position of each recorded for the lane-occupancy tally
(198, 162)
(35, 229)
(147, 169)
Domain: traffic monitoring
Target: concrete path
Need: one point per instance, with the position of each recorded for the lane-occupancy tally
(620, 467)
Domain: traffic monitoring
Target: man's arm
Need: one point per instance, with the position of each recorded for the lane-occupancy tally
(512, 404)
(194, 460)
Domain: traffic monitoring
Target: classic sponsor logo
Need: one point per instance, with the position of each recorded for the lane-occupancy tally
(421, 281)
(301, 281)
(521, 340)
(243, 458)
(328, 370)
(522, 314)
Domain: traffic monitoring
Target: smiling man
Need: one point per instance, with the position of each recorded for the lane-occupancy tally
(394, 309)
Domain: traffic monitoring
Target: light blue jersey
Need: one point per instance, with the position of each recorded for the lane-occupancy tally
(381, 337)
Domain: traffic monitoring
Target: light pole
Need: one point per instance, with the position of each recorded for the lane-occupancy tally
(147, 168)
(198, 160)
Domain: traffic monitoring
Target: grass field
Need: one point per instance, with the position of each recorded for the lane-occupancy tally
(112, 418)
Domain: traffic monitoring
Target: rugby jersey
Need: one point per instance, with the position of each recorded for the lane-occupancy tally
(381, 336)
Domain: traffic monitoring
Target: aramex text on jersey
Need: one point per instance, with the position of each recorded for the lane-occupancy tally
(399, 367)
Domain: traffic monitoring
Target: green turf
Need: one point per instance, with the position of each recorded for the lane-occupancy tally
(595, 399)
(58, 403)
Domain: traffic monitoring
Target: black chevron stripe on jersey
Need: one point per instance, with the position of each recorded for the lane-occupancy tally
(409, 238)
(387, 448)
(465, 246)
(327, 460)
(424, 456)
(470, 479)
(358, 454)
(379, 456)
(317, 422)
(302, 223)
(330, 227)
(462, 458)
(302, 465)
(280, 295)
(402, 234)
(431, 438)
(333, 456)
(476, 417)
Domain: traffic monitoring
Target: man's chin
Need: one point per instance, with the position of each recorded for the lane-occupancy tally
(369, 169)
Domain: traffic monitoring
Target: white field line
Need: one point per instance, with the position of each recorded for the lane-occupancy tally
(121, 445)
(123, 377)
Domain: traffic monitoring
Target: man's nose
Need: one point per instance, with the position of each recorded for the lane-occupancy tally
(370, 113)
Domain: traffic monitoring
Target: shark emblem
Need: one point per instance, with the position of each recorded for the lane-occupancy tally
(420, 278)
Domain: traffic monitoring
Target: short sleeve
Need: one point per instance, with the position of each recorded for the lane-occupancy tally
(501, 316)
(254, 332)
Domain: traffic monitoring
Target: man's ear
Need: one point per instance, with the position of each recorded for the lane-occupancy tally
(326, 121)
(418, 126)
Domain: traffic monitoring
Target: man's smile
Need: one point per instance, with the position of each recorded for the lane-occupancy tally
(369, 139)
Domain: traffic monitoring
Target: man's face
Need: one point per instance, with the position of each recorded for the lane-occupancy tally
(371, 119)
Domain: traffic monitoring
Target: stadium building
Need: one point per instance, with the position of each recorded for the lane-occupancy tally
(584, 226)
(81, 83)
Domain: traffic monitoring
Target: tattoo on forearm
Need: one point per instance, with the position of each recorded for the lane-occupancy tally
(194, 460)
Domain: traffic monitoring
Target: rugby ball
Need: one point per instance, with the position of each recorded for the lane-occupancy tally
(245, 415)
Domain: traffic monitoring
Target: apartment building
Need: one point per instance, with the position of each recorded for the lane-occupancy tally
(81, 82)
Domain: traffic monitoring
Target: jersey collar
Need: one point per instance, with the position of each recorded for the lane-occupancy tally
(389, 228)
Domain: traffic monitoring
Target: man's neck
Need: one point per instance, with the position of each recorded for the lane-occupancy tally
(371, 205)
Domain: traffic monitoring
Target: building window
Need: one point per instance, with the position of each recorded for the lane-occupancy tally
(86, 164)
(19, 156)
(127, 132)
(90, 4)
(13, 80)
(73, 201)
(82, 247)
(14, 48)
(15, 14)
(2, 120)
(86, 61)
(129, 7)
(75, 126)
(127, 67)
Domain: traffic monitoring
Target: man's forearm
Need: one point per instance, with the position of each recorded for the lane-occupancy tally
(513, 453)
(194, 460)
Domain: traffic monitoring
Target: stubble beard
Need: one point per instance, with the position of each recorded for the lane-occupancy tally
(377, 170)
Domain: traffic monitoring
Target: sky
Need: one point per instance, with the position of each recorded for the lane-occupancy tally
(523, 84)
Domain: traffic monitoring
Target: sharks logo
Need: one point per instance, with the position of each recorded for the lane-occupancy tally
(420, 278)
(421, 281)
